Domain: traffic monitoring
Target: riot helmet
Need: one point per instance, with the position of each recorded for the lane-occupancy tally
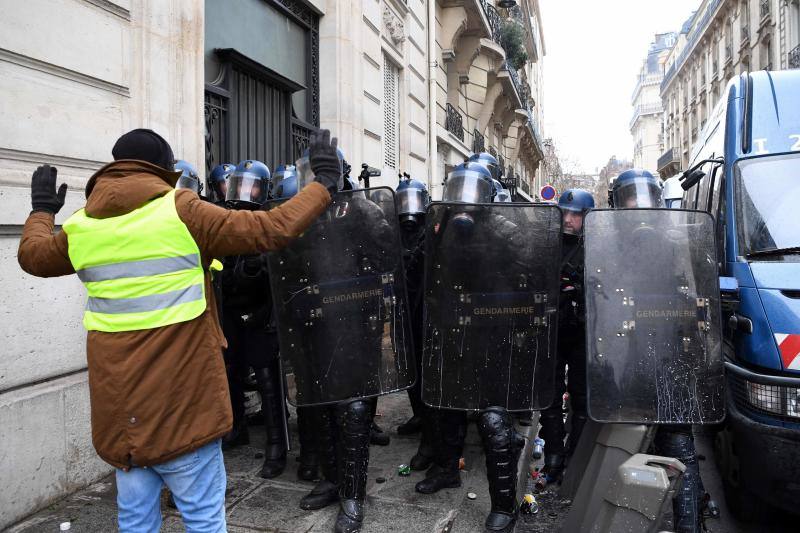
(248, 186)
(189, 179)
(305, 175)
(283, 172)
(469, 183)
(412, 201)
(574, 204)
(636, 188)
(489, 161)
(218, 180)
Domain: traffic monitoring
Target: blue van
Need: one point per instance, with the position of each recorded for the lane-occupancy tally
(745, 171)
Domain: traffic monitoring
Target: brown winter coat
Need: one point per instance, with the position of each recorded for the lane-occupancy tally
(159, 393)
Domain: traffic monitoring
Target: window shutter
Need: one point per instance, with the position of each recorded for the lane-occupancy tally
(391, 114)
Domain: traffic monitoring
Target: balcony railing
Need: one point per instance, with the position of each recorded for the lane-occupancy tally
(669, 157)
(522, 93)
(494, 18)
(645, 109)
(794, 57)
(478, 142)
(454, 122)
(766, 8)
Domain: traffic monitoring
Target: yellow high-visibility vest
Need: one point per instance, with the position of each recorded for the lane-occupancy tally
(142, 270)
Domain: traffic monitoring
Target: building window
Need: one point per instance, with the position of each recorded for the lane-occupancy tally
(391, 114)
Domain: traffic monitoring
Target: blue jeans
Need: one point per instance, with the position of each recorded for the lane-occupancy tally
(197, 482)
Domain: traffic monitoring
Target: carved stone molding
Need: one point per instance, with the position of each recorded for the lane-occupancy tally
(394, 26)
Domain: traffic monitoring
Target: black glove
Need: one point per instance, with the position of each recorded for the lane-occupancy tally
(324, 160)
(44, 197)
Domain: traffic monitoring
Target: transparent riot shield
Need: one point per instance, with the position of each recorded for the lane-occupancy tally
(340, 303)
(491, 301)
(653, 317)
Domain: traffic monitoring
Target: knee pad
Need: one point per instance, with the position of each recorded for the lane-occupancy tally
(496, 428)
(358, 412)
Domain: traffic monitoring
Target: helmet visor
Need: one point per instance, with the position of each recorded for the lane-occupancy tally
(467, 186)
(305, 175)
(637, 193)
(188, 182)
(247, 187)
(412, 201)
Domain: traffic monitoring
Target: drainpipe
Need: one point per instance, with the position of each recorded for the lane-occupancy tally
(433, 64)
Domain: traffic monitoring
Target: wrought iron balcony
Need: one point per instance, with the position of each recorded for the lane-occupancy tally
(478, 142)
(669, 157)
(454, 122)
(494, 18)
(522, 92)
(794, 57)
(766, 8)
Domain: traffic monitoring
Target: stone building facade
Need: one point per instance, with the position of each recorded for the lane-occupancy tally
(482, 102)
(646, 126)
(721, 39)
(74, 75)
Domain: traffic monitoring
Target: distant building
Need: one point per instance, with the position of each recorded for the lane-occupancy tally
(646, 125)
(721, 39)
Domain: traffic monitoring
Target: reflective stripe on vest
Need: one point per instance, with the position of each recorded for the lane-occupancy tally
(142, 270)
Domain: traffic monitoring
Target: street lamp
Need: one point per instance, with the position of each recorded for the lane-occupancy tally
(507, 4)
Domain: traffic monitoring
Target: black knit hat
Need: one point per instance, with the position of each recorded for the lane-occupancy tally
(144, 145)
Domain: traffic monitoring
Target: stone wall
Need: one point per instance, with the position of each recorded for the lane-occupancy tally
(356, 38)
(74, 75)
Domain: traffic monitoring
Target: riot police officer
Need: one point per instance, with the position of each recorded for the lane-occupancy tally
(574, 204)
(471, 183)
(189, 179)
(412, 200)
(218, 182)
(249, 327)
(343, 428)
(637, 188)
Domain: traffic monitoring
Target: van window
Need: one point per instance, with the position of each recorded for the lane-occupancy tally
(703, 187)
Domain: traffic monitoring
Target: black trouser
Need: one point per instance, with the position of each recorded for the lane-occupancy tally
(500, 444)
(677, 441)
(571, 354)
(252, 345)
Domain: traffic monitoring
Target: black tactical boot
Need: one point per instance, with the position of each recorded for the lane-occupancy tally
(322, 495)
(553, 470)
(308, 469)
(354, 437)
(500, 445)
(326, 491)
(273, 408)
(448, 429)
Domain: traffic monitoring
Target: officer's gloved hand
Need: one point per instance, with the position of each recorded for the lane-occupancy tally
(44, 197)
(324, 160)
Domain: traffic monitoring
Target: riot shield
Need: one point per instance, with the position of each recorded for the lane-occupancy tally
(341, 305)
(653, 317)
(491, 301)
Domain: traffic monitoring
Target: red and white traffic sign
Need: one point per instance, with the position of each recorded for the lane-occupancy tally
(548, 192)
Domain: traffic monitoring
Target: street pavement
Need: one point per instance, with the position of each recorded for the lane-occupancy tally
(255, 504)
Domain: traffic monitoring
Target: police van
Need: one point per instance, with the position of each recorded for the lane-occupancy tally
(745, 171)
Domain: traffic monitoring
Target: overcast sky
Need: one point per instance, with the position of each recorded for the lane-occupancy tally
(594, 53)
